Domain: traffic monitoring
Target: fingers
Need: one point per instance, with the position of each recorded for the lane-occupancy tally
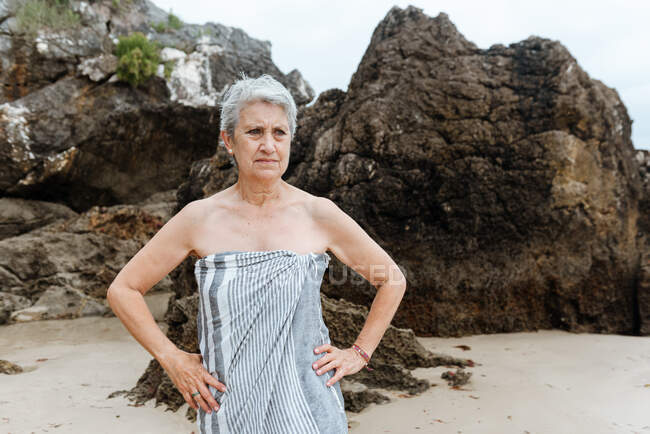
(344, 361)
(320, 362)
(325, 347)
(214, 382)
(190, 400)
(198, 399)
(190, 376)
(326, 367)
(340, 372)
(205, 399)
(330, 356)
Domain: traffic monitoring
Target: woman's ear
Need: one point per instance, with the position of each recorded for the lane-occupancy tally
(226, 141)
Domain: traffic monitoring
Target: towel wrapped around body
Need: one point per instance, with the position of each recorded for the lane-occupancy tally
(259, 320)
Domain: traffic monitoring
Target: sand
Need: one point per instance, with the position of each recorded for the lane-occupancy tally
(549, 381)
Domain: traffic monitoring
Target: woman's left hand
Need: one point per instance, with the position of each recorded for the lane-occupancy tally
(346, 362)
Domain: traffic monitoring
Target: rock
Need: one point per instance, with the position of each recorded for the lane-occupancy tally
(206, 177)
(30, 63)
(643, 159)
(503, 181)
(60, 303)
(97, 148)
(643, 295)
(6, 367)
(398, 346)
(397, 354)
(10, 303)
(457, 378)
(98, 68)
(82, 255)
(71, 132)
(643, 280)
(160, 204)
(357, 396)
(300, 89)
(18, 216)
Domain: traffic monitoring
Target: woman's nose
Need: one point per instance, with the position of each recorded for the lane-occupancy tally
(268, 141)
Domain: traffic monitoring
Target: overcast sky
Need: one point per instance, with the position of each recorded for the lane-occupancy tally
(326, 40)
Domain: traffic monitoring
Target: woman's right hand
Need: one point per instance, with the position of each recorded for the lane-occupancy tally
(188, 375)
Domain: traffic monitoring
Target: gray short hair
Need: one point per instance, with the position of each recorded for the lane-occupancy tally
(246, 90)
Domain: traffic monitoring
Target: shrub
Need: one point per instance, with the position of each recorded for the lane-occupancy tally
(159, 27)
(169, 66)
(120, 6)
(138, 58)
(173, 22)
(32, 15)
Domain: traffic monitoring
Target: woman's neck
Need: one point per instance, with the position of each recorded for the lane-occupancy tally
(260, 194)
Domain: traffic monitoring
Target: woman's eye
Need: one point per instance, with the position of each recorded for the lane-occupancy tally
(279, 131)
(254, 131)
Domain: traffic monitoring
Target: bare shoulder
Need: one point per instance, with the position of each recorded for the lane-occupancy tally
(194, 212)
(324, 211)
(200, 210)
(327, 217)
(319, 208)
(199, 216)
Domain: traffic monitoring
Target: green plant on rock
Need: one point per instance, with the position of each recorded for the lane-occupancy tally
(207, 31)
(33, 15)
(121, 5)
(159, 27)
(169, 66)
(173, 22)
(138, 58)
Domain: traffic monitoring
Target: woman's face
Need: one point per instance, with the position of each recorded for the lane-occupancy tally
(261, 141)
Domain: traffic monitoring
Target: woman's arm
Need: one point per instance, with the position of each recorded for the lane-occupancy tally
(166, 249)
(354, 247)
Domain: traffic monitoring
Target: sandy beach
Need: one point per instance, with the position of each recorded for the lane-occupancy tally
(549, 381)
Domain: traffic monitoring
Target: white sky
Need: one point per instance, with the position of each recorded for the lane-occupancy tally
(326, 40)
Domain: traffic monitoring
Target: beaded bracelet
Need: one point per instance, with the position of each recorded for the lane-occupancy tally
(363, 354)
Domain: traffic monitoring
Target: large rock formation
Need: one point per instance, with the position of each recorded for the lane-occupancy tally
(503, 181)
(63, 269)
(643, 159)
(71, 133)
(643, 286)
(18, 216)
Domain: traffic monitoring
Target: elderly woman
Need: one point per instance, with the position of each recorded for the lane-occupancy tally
(266, 361)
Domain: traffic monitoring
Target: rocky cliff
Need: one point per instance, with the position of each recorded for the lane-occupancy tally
(74, 134)
(503, 181)
(643, 284)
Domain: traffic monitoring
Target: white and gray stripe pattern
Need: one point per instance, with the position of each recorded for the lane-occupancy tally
(259, 321)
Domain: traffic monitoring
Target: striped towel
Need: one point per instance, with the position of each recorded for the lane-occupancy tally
(259, 321)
